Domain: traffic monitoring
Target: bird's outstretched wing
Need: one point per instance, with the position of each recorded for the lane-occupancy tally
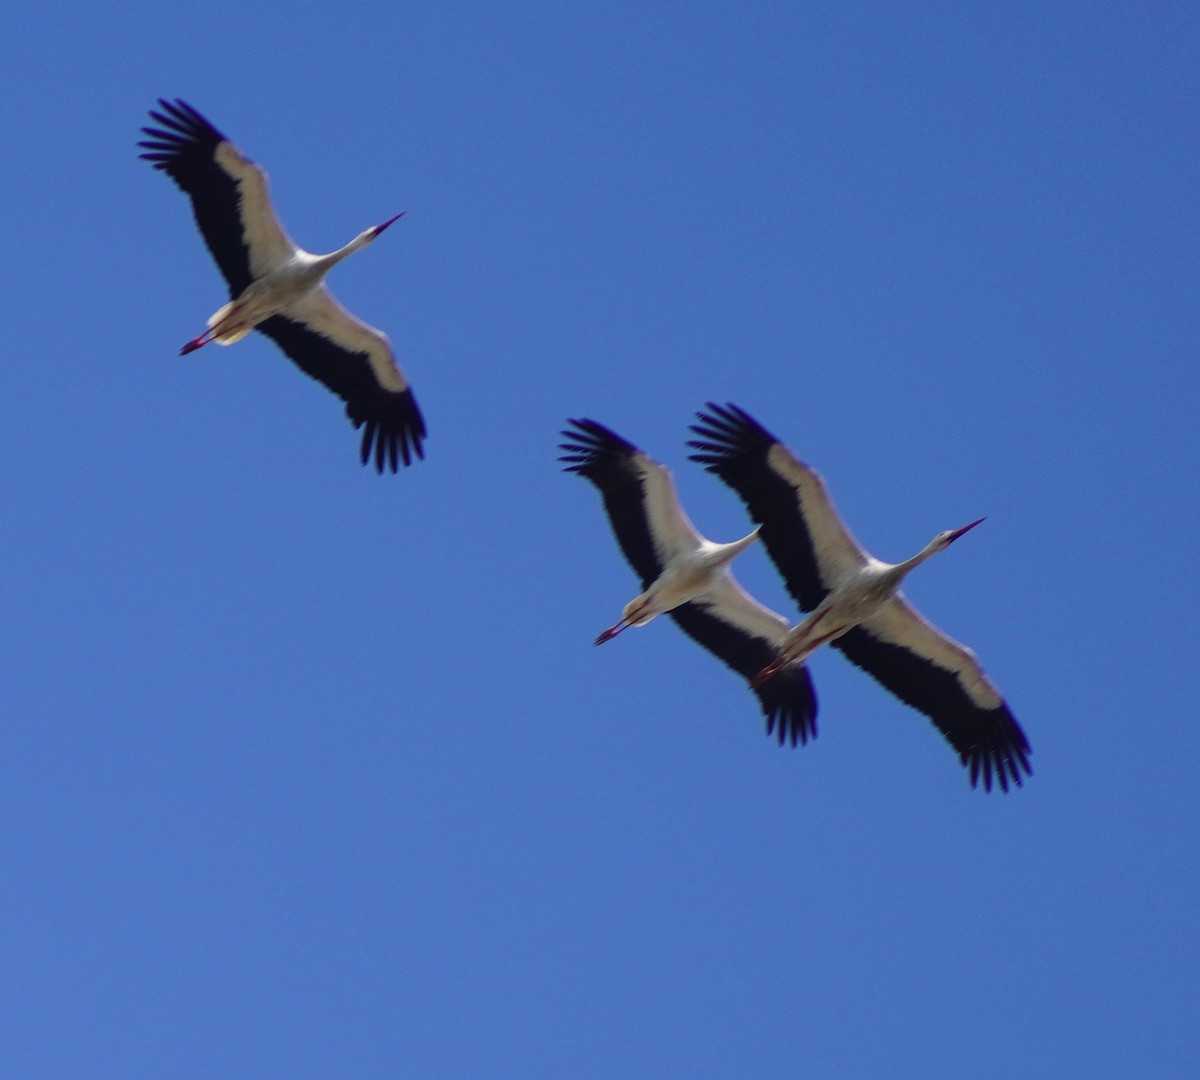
(803, 533)
(737, 629)
(228, 191)
(943, 679)
(639, 497)
(355, 361)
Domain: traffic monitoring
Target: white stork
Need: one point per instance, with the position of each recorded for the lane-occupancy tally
(278, 288)
(687, 575)
(855, 599)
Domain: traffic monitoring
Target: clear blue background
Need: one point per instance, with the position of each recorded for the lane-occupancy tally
(306, 772)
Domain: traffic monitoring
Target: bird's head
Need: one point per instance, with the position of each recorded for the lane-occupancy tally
(944, 539)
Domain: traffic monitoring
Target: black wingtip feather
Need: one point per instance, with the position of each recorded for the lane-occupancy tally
(790, 725)
(592, 445)
(726, 432)
(1003, 761)
(187, 133)
(393, 430)
(789, 703)
(1002, 758)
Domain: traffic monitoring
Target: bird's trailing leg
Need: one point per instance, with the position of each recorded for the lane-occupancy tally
(797, 650)
(639, 611)
(226, 326)
(612, 632)
(781, 662)
(766, 673)
(198, 342)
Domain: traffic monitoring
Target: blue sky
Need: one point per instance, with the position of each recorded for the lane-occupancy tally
(308, 772)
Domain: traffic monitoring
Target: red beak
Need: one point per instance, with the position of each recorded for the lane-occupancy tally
(966, 528)
(380, 228)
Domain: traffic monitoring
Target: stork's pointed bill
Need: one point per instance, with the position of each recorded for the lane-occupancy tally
(379, 228)
(965, 529)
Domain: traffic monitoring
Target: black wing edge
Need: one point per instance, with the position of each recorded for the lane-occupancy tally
(789, 701)
(597, 452)
(189, 137)
(185, 152)
(734, 446)
(393, 427)
(989, 742)
(600, 455)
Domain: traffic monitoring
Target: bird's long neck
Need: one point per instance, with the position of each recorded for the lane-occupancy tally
(327, 262)
(901, 570)
(728, 551)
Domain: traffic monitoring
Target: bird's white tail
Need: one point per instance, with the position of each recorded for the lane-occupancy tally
(227, 335)
(230, 336)
(220, 313)
(638, 611)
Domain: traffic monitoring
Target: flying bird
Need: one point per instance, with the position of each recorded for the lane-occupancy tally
(278, 288)
(688, 575)
(855, 599)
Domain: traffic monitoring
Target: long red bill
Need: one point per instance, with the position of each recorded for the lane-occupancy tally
(966, 528)
(380, 228)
